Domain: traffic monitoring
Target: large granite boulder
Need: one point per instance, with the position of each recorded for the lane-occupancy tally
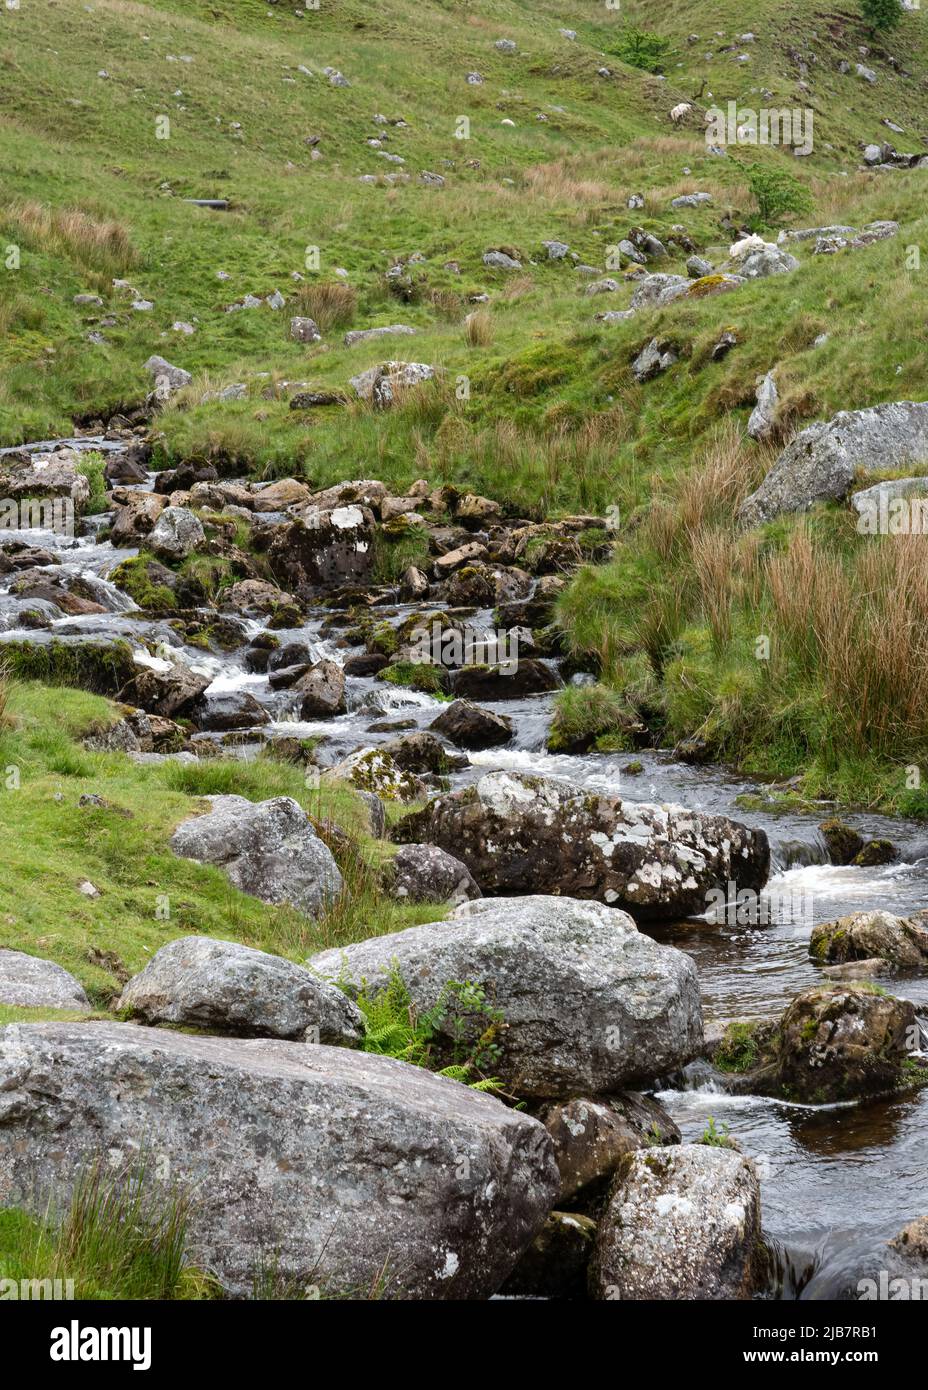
(228, 988)
(822, 463)
(519, 833)
(586, 1003)
(348, 1170)
(268, 849)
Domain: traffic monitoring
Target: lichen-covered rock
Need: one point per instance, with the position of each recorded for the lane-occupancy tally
(383, 385)
(822, 463)
(268, 849)
(519, 833)
(427, 874)
(28, 982)
(176, 534)
(374, 770)
(57, 475)
(228, 988)
(352, 1169)
(841, 1042)
(682, 1223)
(864, 935)
(587, 1003)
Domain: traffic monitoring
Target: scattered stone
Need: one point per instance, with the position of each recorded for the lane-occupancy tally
(500, 260)
(762, 420)
(304, 330)
(322, 691)
(267, 849)
(653, 360)
(364, 335)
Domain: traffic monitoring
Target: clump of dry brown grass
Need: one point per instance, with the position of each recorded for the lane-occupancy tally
(478, 328)
(860, 626)
(331, 304)
(97, 244)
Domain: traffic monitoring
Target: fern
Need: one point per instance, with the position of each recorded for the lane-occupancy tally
(394, 1029)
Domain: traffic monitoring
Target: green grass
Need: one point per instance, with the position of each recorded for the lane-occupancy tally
(538, 409)
(51, 844)
(121, 1237)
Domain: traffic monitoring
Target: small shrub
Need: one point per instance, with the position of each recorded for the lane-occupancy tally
(641, 49)
(776, 192)
(881, 14)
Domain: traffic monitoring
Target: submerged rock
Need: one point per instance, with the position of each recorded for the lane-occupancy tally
(865, 935)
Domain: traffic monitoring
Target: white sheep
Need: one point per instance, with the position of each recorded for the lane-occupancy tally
(746, 246)
(680, 111)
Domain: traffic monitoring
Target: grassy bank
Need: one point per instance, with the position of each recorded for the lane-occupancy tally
(146, 895)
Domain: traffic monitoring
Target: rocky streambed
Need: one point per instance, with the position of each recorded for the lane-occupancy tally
(230, 618)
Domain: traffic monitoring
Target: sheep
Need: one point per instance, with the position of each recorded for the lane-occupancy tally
(680, 111)
(746, 246)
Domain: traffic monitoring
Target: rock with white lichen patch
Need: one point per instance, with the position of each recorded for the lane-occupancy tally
(519, 833)
(682, 1223)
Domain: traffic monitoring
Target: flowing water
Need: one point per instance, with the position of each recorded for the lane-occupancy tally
(837, 1181)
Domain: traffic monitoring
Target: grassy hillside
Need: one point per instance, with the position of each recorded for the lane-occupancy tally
(562, 132)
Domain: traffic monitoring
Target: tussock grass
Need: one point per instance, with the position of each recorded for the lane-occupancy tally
(331, 304)
(122, 1235)
(99, 244)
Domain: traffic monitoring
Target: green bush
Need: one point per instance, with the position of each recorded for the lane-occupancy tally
(777, 192)
(881, 14)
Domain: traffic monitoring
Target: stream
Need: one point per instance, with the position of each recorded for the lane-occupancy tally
(837, 1181)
